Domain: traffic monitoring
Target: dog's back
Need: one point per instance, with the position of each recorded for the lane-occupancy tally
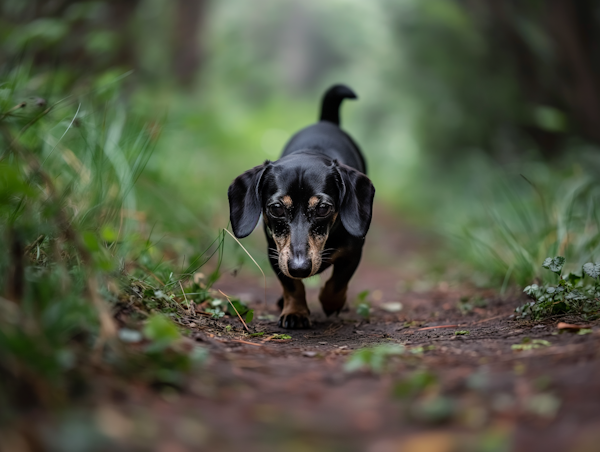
(326, 137)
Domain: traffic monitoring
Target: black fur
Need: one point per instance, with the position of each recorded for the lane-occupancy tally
(320, 162)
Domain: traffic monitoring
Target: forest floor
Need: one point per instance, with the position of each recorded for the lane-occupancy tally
(444, 374)
(458, 385)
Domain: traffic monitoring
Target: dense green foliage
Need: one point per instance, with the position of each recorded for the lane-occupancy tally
(74, 250)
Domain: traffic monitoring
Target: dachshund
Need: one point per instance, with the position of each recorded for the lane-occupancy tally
(317, 203)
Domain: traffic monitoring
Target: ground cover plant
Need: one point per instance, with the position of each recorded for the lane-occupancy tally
(573, 294)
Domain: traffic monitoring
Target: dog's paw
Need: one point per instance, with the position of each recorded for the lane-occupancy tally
(332, 302)
(294, 321)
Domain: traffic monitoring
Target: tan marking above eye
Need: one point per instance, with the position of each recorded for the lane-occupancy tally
(313, 201)
(287, 201)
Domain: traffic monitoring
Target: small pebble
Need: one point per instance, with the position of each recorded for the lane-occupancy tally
(309, 354)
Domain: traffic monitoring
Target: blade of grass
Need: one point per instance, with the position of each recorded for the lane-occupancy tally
(188, 302)
(236, 311)
(255, 263)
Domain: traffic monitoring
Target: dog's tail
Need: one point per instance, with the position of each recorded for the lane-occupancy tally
(333, 97)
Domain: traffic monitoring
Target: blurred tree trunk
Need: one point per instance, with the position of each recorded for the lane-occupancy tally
(570, 24)
(187, 52)
(569, 78)
(119, 18)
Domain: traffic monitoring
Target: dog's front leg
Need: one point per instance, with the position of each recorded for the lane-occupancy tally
(333, 294)
(295, 312)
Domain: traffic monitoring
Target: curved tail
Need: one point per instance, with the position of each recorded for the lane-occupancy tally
(333, 97)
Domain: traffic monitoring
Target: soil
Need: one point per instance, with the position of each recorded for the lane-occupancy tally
(296, 394)
(448, 377)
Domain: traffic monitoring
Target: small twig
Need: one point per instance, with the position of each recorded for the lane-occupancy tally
(435, 327)
(570, 326)
(146, 269)
(487, 320)
(188, 302)
(236, 311)
(244, 342)
(273, 338)
(16, 107)
(36, 242)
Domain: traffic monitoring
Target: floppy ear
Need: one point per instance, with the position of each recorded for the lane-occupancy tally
(245, 201)
(356, 208)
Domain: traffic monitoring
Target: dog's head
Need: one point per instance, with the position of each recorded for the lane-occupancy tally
(302, 198)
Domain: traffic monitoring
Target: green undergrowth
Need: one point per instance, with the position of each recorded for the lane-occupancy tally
(500, 221)
(86, 287)
(575, 293)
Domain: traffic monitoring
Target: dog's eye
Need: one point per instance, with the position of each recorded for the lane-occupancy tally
(277, 210)
(323, 210)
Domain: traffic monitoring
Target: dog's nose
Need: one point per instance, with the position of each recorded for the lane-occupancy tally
(299, 267)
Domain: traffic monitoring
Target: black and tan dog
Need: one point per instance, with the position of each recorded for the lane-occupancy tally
(316, 203)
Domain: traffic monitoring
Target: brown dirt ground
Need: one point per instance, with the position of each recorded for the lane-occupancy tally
(262, 394)
(296, 395)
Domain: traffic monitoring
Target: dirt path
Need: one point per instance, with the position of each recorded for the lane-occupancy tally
(442, 374)
(457, 385)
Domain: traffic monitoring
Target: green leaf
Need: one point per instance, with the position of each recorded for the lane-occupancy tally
(363, 310)
(532, 289)
(161, 331)
(241, 308)
(361, 297)
(527, 344)
(108, 234)
(415, 384)
(373, 358)
(555, 264)
(550, 119)
(91, 241)
(250, 315)
(592, 270)
(573, 278)
(461, 333)
(576, 296)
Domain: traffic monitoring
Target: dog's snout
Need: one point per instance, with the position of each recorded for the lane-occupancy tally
(299, 266)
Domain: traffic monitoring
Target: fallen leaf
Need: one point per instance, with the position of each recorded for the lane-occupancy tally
(571, 326)
(393, 306)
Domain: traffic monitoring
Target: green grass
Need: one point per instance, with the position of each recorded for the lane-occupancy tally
(500, 223)
(75, 246)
